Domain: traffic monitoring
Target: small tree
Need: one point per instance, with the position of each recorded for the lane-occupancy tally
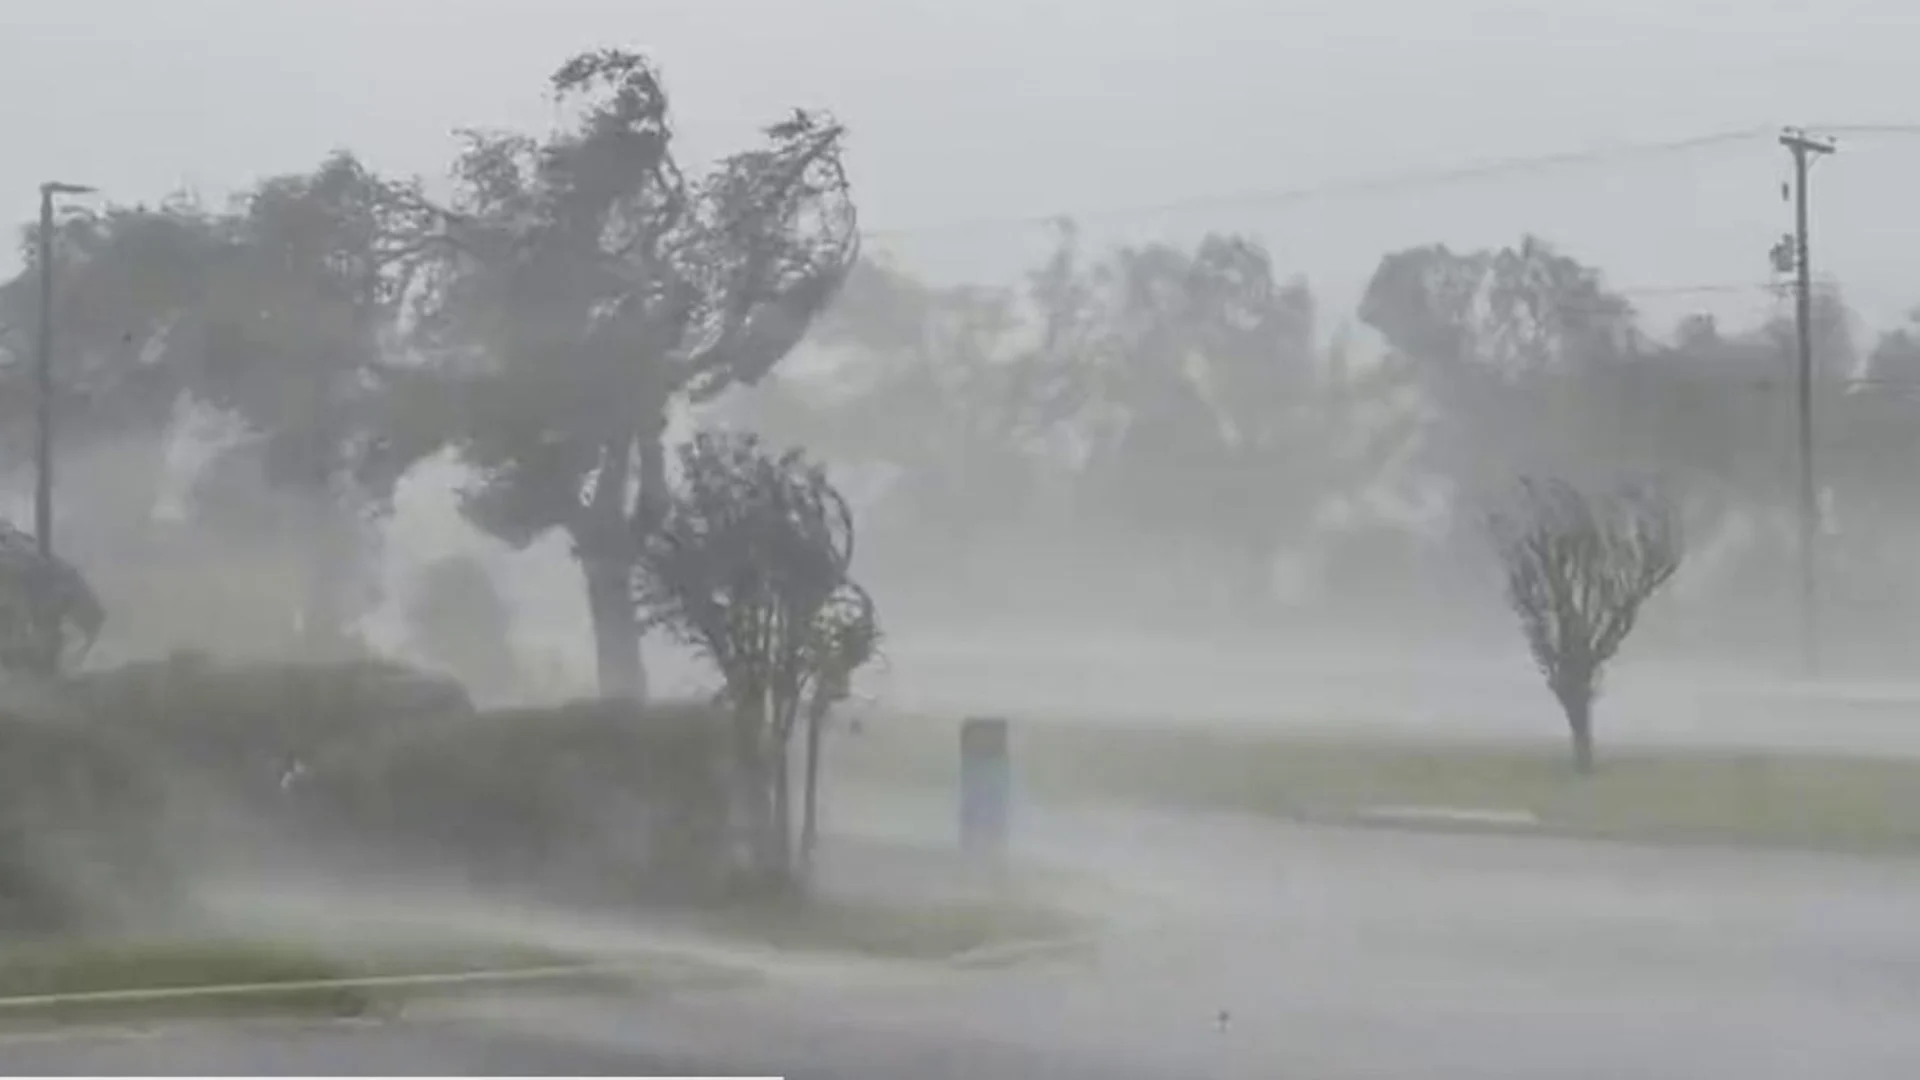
(1578, 567)
(49, 615)
(750, 568)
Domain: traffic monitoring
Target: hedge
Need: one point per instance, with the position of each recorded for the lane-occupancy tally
(375, 757)
(80, 843)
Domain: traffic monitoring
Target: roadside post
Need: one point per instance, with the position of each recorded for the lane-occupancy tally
(986, 789)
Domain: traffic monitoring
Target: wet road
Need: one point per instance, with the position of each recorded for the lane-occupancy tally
(1335, 954)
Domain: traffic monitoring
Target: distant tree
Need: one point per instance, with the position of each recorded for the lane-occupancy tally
(460, 623)
(126, 280)
(1182, 395)
(751, 568)
(926, 390)
(1518, 353)
(298, 336)
(1578, 567)
(278, 315)
(590, 288)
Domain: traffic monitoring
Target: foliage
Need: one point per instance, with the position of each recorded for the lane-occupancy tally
(251, 727)
(1578, 568)
(81, 837)
(750, 567)
(1507, 347)
(1174, 399)
(276, 315)
(49, 615)
(590, 286)
(460, 623)
(392, 762)
(603, 796)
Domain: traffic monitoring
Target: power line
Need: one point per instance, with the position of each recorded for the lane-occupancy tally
(1867, 129)
(1697, 290)
(1413, 178)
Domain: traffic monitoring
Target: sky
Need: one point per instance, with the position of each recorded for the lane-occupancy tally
(966, 113)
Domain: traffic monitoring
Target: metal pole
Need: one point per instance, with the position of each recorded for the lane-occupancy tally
(43, 385)
(1802, 149)
(43, 372)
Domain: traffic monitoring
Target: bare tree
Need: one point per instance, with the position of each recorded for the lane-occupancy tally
(750, 568)
(1578, 567)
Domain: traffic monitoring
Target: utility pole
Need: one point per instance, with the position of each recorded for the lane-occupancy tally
(43, 373)
(1804, 150)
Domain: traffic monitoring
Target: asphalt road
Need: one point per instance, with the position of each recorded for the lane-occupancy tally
(1334, 954)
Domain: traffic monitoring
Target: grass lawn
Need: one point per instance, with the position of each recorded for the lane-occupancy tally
(1818, 801)
(106, 976)
(921, 930)
(105, 968)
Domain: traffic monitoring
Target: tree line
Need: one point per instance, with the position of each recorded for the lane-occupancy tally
(1194, 407)
(1167, 420)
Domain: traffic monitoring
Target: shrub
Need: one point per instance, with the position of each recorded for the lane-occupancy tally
(80, 842)
(605, 795)
(250, 725)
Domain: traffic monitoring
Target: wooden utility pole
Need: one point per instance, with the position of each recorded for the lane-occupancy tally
(1804, 150)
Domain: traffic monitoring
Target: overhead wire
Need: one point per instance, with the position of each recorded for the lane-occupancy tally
(1411, 178)
(1441, 176)
(1867, 129)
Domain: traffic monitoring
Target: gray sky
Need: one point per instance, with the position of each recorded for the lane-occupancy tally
(993, 108)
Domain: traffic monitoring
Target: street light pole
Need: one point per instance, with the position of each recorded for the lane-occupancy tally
(43, 373)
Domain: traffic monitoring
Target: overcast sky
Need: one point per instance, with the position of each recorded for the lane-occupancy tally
(997, 108)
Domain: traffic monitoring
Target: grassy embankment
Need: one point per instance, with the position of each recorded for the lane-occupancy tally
(99, 981)
(1793, 800)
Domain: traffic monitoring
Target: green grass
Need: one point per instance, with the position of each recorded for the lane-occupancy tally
(1816, 801)
(107, 970)
(88, 968)
(82, 969)
(933, 930)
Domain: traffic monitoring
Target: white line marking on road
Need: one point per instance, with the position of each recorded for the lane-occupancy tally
(170, 993)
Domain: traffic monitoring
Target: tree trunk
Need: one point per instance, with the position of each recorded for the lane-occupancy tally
(810, 791)
(780, 852)
(616, 629)
(755, 772)
(1579, 709)
(651, 506)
